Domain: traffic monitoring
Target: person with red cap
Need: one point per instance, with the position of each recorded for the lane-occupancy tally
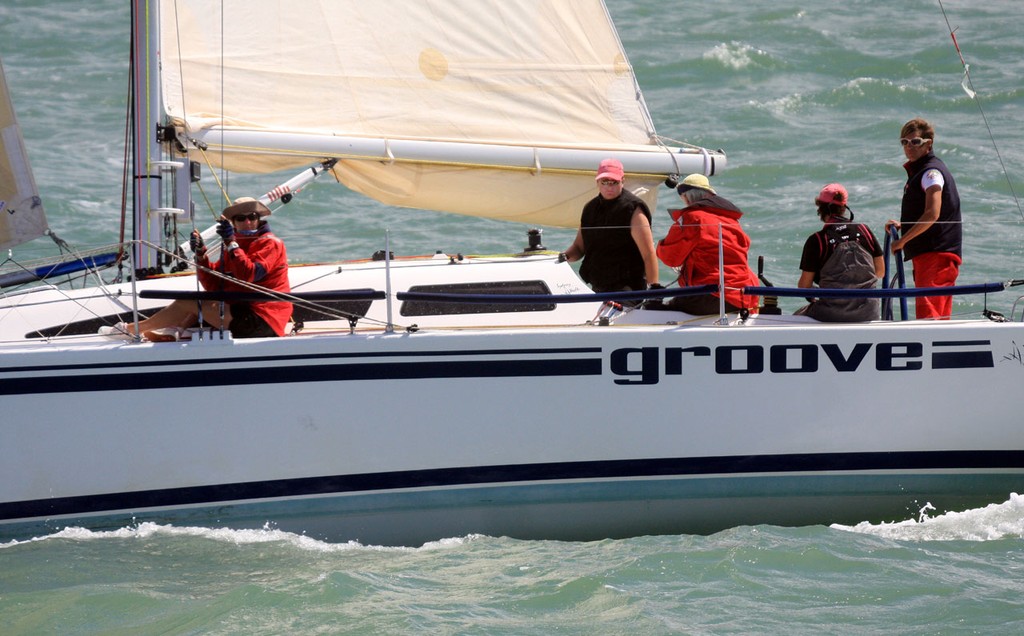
(614, 238)
(251, 255)
(704, 231)
(930, 222)
(840, 255)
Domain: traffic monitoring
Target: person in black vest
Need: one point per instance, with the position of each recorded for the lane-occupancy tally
(930, 222)
(614, 238)
(827, 261)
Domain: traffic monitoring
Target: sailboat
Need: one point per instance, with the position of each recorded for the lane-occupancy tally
(422, 397)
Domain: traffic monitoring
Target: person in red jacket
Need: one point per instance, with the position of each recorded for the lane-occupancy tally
(251, 254)
(692, 247)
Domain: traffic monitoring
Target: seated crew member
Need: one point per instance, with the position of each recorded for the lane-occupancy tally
(691, 247)
(252, 254)
(841, 254)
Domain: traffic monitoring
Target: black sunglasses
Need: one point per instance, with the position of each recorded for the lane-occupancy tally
(252, 216)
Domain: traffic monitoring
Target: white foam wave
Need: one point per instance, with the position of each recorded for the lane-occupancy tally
(991, 523)
(266, 534)
(735, 55)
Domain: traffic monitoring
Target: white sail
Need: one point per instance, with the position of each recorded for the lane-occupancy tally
(21, 210)
(516, 101)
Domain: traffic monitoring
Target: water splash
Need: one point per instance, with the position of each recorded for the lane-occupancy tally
(991, 523)
(737, 56)
(267, 534)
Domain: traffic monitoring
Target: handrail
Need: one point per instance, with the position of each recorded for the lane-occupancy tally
(255, 296)
(892, 292)
(695, 290)
(892, 235)
(722, 320)
(373, 294)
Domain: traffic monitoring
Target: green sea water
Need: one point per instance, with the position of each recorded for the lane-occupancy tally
(956, 574)
(798, 94)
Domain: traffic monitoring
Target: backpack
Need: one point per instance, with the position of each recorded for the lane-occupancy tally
(850, 266)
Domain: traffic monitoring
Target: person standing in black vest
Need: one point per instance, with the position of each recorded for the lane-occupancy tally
(930, 222)
(614, 238)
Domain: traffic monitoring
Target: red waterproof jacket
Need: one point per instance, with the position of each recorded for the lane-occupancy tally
(261, 260)
(692, 245)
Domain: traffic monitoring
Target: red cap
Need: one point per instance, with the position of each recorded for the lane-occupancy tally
(833, 193)
(610, 169)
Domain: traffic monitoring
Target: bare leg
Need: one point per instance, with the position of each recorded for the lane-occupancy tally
(182, 314)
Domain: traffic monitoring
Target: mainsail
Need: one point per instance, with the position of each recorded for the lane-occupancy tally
(21, 211)
(495, 108)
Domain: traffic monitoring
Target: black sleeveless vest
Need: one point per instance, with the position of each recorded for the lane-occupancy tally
(946, 235)
(611, 259)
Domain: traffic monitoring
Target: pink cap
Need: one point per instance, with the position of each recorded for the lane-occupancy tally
(833, 193)
(610, 169)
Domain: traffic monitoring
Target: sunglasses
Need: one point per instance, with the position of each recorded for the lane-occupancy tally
(609, 182)
(252, 216)
(915, 142)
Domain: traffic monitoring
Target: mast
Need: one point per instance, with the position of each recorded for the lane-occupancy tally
(149, 215)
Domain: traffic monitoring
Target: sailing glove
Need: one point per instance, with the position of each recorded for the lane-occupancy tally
(653, 303)
(226, 230)
(195, 242)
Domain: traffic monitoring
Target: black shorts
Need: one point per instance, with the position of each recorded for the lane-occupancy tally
(703, 305)
(245, 323)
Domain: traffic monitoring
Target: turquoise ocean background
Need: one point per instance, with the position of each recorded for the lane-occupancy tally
(799, 94)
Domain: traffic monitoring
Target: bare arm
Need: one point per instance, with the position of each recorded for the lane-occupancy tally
(879, 267)
(640, 229)
(806, 280)
(575, 251)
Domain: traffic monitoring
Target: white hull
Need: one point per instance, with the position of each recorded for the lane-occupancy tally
(555, 429)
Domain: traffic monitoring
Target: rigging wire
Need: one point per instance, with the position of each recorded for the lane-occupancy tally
(187, 152)
(181, 88)
(968, 87)
(223, 252)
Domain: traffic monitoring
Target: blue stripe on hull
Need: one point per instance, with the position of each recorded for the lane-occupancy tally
(280, 373)
(971, 478)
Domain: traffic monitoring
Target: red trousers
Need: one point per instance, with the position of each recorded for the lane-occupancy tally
(935, 269)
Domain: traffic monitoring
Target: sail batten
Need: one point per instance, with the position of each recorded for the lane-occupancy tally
(491, 85)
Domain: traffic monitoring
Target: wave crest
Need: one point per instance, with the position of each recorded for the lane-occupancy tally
(991, 523)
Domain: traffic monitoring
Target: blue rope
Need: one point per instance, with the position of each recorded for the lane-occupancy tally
(893, 292)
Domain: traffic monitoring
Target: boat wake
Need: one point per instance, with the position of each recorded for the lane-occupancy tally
(266, 534)
(991, 523)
